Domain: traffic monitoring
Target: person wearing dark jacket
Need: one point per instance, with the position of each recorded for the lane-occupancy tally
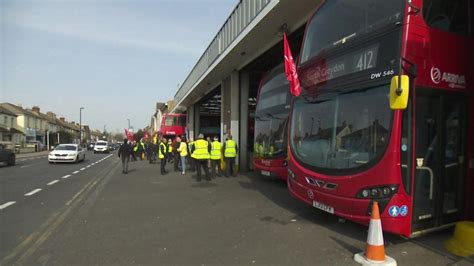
(124, 152)
(177, 158)
(151, 152)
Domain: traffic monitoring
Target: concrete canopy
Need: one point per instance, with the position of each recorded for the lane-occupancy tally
(260, 35)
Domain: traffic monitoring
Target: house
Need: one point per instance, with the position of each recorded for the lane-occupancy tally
(8, 130)
(28, 122)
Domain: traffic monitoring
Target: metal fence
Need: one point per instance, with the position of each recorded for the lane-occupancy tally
(239, 19)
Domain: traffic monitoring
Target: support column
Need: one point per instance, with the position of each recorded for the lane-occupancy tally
(225, 108)
(190, 121)
(244, 151)
(234, 110)
(197, 118)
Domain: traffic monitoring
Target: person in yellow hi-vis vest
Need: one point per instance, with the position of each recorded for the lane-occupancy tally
(271, 150)
(162, 155)
(201, 154)
(216, 154)
(230, 152)
(169, 151)
(183, 153)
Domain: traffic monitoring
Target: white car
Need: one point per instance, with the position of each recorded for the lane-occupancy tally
(101, 146)
(67, 153)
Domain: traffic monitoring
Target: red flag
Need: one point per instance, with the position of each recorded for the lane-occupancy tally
(129, 135)
(290, 69)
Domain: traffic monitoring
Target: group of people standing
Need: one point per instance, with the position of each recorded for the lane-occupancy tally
(201, 153)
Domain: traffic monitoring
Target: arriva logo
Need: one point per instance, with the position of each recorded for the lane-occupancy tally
(435, 75)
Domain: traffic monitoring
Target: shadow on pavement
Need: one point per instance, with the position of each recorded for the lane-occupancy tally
(276, 190)
(352, 249)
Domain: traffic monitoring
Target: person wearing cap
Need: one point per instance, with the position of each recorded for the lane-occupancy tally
(201, 152)
(161, 154)
(216, 155)
(230, 152)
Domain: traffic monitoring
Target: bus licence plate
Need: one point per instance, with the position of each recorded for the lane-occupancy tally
(323, 207)
(267, 173)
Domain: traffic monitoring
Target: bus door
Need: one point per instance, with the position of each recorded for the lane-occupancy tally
(440, 155)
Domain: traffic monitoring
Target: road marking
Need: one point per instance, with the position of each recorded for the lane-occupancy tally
(82, 169)
(10, 203)
(66, 176)
(33, 192)
(52, 182)
(31, 243)
(75, 172)
(88, 166)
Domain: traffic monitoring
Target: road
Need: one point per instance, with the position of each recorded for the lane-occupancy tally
(100, 216)
(34, 190)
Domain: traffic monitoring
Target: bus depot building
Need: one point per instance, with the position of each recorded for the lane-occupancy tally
(219, 97)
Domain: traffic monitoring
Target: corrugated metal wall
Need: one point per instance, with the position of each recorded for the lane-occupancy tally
(240, 17)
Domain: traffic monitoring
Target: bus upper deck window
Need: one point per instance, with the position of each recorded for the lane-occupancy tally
(447, 15)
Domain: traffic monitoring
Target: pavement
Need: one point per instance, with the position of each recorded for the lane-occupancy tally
(31, 155)
(143, 218)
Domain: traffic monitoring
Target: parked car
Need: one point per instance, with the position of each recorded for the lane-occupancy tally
(67, 153)
(101, 146)
(6, 154)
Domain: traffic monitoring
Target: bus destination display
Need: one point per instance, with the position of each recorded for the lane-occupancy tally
(360, 60)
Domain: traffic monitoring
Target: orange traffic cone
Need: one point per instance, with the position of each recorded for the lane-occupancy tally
(375, 250)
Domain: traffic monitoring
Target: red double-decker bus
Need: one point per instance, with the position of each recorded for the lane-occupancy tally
(173, 125)
(271, 124)
(386, 113)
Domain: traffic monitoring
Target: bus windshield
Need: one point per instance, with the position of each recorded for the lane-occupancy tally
(341, 130)
(338, 21)
(175, 120)
(170, 121)
(271, 117)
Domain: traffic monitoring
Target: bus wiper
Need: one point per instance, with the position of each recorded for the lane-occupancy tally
(308, 100)
(258, 118)
(343, 40)
(274, 117)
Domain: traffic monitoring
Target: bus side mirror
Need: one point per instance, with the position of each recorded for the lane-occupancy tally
(399, 94)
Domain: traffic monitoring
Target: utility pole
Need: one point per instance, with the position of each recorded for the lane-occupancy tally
(80, 125)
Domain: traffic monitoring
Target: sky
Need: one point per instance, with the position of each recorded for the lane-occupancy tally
(115, 58)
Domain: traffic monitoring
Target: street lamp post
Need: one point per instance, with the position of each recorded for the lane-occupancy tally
(128, 123)
(80, 125)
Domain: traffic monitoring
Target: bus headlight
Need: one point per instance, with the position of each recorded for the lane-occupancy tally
(377, 192)
(291, 175)
(365, 193)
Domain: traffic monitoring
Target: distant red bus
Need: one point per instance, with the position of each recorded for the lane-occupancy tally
(353, 141)
(173, 125)
(271, 124)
